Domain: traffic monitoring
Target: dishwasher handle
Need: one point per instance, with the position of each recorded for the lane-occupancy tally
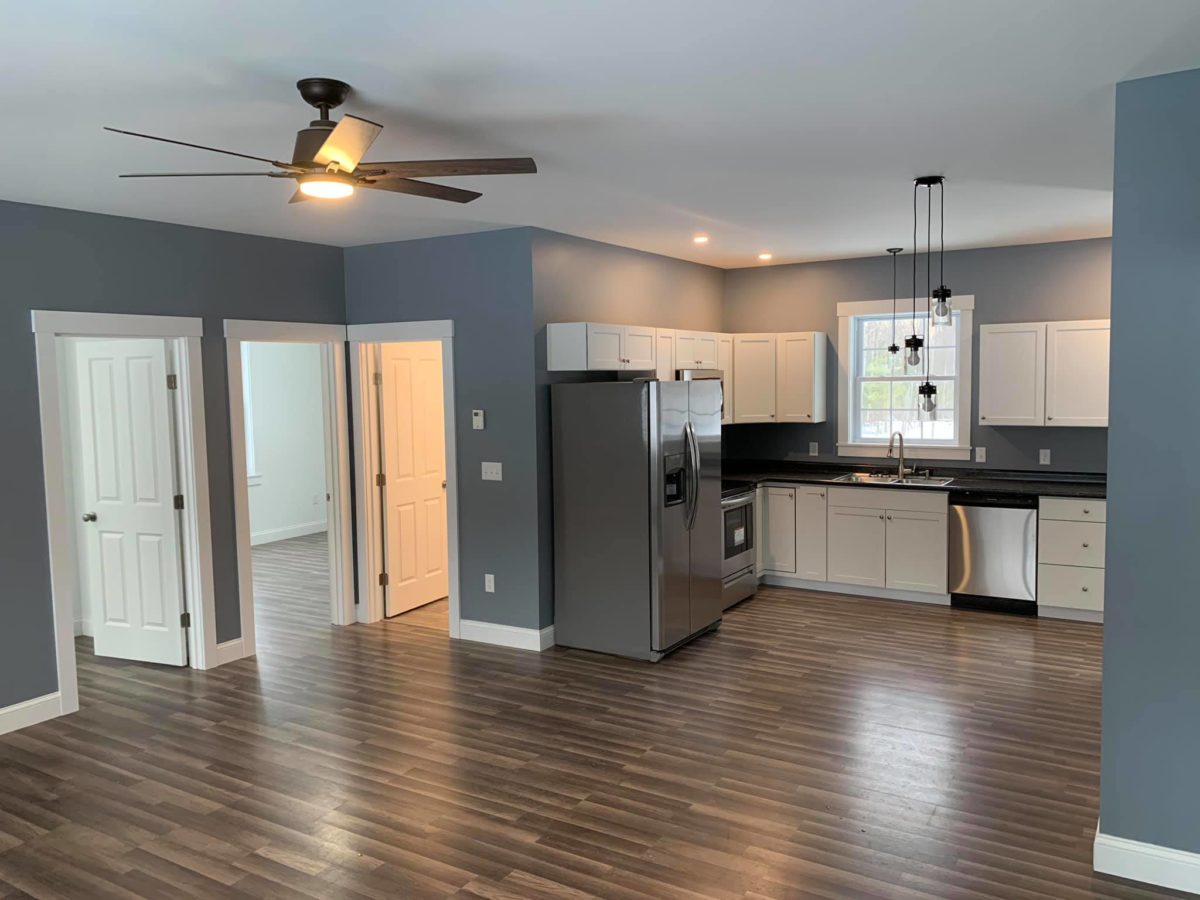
(997, 499)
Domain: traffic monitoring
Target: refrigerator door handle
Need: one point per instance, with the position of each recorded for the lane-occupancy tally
(693, 445)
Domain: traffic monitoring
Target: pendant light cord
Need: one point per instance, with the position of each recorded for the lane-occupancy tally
(914, 263)
(928, 276)
(942, 229)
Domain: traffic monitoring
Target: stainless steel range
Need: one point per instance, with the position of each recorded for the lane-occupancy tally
(738, 578)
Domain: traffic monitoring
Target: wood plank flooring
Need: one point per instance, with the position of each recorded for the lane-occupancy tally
(815, 746)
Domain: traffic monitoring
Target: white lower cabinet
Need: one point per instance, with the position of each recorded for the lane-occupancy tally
(1071, 558)
(916, 551)
(857, 546)
(811, 533)
(778, 538)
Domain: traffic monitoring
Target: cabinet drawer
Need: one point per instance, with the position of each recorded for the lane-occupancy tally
(1071, 587)
(1071, 510)
(1071, 543)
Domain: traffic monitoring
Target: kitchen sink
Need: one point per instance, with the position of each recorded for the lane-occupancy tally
(880, 478)
(923, 481)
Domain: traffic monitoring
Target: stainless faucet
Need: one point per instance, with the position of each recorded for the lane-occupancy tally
(901, 472)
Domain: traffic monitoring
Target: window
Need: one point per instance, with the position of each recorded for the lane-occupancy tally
(878, 392)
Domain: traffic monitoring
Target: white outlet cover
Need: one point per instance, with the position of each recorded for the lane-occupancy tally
(493, 471)
(1044, 457)
(981, 454)
(477, 419)
(813, 448)
(489, 583)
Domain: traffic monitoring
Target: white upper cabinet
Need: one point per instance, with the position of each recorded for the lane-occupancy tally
(754, 385)
(1077, 373)
(588, 346)
(1012, 374)
(665, 355)
(725, 364)
(800, 377)
(695, 350)
(1044, 373)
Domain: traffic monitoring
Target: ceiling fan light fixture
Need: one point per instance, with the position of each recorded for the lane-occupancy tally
(326, 186)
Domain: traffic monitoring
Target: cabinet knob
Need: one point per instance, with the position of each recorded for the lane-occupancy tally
(983, 418)
(1085, 590)
(808, 415)
(1086, 545)
(1087, 512)
(1049, 418)
(881, 518)
(889, 518)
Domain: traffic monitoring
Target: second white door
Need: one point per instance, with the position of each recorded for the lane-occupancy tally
(413, 448)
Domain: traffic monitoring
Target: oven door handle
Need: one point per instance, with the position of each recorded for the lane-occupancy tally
(736, 502)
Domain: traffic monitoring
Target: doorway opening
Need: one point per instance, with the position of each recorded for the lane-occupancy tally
(407, 488)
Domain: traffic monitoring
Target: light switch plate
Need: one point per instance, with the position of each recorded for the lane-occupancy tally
(477, 419)
(1044, 457)
(489, 583)
(493, 471)
(813, 448)
(981, 454)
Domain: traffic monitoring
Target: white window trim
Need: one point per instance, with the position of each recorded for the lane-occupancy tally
(961, 449)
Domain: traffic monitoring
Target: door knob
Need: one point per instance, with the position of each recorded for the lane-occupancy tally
(89, 517)
(443, 485)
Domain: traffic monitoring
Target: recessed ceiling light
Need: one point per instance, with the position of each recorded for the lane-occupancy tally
(700, 239)
(765, 257)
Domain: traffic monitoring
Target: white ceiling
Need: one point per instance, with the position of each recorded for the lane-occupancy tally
(793, 126)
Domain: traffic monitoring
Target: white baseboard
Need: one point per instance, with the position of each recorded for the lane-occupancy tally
(228, 652)
(78, 627)
(1148, 863)
(507, 635)
(271, 535)
(858, 590)
(30, 712)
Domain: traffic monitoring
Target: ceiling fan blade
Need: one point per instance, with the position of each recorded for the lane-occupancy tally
(199, 175)
(427, 168)
(422, 189)
(350, 139)
(298, 197)
(151, 137)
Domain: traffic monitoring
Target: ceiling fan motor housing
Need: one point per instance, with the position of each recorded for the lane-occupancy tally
(309, 141)
(325, 94)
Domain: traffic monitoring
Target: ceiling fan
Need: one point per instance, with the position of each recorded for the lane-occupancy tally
(327, 159)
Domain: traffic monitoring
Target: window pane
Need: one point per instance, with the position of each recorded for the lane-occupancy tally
(875, 395)
(906, 422)
(904, 394)
(876, 424)
(939, 427)
(875, 333)
(943, 361)
(876, 363)
(944, 335)
(945, 394)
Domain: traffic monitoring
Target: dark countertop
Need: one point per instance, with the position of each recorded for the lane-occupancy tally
(1042, 484)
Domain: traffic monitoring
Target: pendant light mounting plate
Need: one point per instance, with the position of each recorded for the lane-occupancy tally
(929, 180)
(942, 293)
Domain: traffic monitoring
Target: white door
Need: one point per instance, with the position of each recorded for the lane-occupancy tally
(779, 537)
(1012, 374)
(131, 564)
(639, 346)
(794, 377)
(664, 354)
(856, 546)
(725, 364)
(1077, 373)
(916, 551)
(605, 350)
(412, 427)
(811, 526)
(754, 388)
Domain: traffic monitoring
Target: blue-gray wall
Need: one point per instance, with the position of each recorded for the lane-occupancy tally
(484, 283)
(1036, 283)
(577, 280)
(1149, 784)
(62, 260)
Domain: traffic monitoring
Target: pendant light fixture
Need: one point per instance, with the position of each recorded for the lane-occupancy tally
(914, 342)
(893, 347)
(941, 295)
(927, 390)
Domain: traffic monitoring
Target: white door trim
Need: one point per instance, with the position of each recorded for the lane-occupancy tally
(331, 339)
(184, 333)
(366, 462)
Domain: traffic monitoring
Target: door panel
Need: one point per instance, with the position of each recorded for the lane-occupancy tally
(664, 359)
(1012, 374)
(916, 551)
(811, 523)
(856, 546)
(754, 383)
(794, 377)
(639, 348)
(707, 535)
(412, 424)
(725, 364)
(1077, 373)
(779, 540)
(604, 346)
(131, 565)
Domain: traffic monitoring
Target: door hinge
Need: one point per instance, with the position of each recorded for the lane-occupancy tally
(179, 501)
(378, 379)
(380, 480)
(383, 579)
(172, 382)
(185, 619)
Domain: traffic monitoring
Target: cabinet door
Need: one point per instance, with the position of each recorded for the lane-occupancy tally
(916, 551)
(779, 537)
(638, 348)
(706, 350)
(1077, 373)
(811, 524)
(695, 350)
(1012, 374)
(794, 370)
(760, 530)
(605, 347)
(754, 388)
(664, 355)
(857, 539)
(725, 364)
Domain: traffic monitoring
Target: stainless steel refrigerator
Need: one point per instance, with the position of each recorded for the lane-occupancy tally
(637, 514)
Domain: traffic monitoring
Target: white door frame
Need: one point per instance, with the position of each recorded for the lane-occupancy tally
(332, 341)
(184, 334)
(366, 461)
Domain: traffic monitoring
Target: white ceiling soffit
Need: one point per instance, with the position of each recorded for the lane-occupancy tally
(793, 127)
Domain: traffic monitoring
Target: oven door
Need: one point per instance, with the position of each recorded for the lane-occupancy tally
(737, 517)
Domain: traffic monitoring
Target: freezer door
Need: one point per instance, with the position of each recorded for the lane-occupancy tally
(706, 535)
(670, 608)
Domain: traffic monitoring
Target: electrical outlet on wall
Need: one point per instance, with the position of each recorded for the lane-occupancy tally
(1044, 457)
(489, 583)
(813, 448)
(981, 454)
(493, 471)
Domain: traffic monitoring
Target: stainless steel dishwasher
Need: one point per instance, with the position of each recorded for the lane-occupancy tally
(993, 550)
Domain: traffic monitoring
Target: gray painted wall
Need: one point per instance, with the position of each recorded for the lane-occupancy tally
(1149, 787)
(63, 260)
(1035, 283)
(483, 282)
(577, 280)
